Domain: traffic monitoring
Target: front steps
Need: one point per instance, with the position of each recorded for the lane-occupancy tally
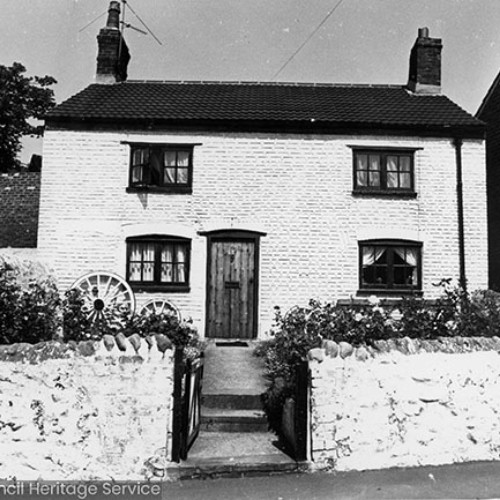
(232, 401)
(232, 386)
(232, 413)
(234, 439)
(232, 420)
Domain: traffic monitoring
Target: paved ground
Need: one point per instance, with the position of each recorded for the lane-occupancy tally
(472, 480)
(233, 444)
(232, 370)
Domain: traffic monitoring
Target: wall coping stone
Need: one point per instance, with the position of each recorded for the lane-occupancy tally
(132, 349)
(406, 345)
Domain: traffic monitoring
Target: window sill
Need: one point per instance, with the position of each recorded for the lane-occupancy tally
(383, 301)
(367, 292)
(394, 193)
(159, 189)
(159, 288)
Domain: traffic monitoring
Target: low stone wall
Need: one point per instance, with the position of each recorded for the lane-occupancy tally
(405, 403)
(88, 410)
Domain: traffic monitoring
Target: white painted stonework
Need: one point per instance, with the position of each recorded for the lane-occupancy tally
(401, 410)
(81, 417)
(295, 188)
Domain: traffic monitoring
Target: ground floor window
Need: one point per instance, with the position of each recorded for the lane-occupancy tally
(158, 262)
(390, 265)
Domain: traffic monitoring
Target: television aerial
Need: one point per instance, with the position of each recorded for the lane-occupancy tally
(124, 24)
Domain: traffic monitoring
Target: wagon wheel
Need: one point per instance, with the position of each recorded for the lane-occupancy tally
(107, 297)
(159, 307)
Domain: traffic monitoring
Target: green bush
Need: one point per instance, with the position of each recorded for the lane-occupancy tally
(76, 323)
(9, 311)
(28, 310)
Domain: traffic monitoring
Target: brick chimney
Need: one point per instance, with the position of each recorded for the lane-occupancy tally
(112, 53)
(425, 64)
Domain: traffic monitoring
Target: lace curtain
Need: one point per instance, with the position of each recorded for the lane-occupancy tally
(141, 262)
(173, 264)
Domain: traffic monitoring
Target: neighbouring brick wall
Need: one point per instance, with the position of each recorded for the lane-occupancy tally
(92, 410)
(405, 403)
(295, 188)
(19, 200)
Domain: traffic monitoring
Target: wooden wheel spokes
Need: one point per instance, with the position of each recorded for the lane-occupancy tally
(107, 297)
(159, 307)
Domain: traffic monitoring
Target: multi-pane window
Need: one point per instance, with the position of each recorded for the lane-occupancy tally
(390, 265)
(158, 262)
(167, 167)
(390, 171)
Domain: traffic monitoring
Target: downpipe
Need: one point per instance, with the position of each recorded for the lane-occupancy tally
(457, 142)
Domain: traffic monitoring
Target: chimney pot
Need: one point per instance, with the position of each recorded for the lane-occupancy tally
(423, 32)
(425, 64)
(113, 16)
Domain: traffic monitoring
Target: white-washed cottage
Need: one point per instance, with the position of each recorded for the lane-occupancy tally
(227, 199)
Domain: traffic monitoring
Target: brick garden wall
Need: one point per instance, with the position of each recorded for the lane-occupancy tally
(295, 188)
(19, 201)
(407, 403)
(86, 411)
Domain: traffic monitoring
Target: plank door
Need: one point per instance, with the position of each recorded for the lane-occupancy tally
(231, 289)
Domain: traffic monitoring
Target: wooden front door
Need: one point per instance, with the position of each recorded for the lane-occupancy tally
(231, 302)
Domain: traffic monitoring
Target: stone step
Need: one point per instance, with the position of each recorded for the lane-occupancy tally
(232, 401)
(250, 465)
(233, 454)
(224, 420)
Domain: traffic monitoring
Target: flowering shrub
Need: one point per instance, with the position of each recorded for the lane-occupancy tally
(455, 313)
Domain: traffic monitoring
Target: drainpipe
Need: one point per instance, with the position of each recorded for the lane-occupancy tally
(457, 142)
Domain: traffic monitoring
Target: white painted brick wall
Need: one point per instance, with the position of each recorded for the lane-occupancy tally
(396, 410)
(298, 189)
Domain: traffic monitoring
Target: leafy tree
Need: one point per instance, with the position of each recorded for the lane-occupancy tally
(22, 100)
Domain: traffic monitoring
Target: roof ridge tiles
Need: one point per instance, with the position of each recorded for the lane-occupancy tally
(265, 84)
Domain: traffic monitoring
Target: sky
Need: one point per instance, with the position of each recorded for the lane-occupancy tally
(364, 41)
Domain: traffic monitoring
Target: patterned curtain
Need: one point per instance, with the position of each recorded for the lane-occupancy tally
(135, 262)
(148, 259)
(167, 259)
(181, 263)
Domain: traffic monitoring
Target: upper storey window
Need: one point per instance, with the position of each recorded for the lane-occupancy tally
(384, 171)
(166, 168)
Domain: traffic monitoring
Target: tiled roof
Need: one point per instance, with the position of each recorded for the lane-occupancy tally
(356, 105)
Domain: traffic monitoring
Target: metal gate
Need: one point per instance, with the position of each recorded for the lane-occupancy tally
(188, 377)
